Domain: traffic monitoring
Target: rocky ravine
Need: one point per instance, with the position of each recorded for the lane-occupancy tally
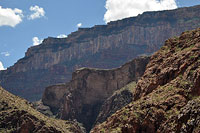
(103, 46)
(167, 97)
(18, 116)
(82, 97)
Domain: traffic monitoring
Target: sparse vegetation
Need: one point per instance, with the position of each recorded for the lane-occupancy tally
(171, 106)
(19, 110)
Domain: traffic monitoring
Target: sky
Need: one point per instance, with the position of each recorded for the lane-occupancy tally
(25, 23)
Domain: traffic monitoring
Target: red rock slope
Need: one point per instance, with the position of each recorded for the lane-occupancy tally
(167, 98)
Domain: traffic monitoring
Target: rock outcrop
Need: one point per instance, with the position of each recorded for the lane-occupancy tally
(102, 46)
(83, 96)
(118, 100)
(17, 116)
(166, 98)
(39, 106)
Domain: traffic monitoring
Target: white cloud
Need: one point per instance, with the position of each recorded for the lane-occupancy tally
(36, 41)
(38, 12)
(79, 25)
(10, 17)
(5, 53)
(62, 36)
(1, 66)
(119, 9)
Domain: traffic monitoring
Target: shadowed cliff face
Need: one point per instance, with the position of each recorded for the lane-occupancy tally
(167, 97)
(103, 46)
(83, 96)
(118, 100)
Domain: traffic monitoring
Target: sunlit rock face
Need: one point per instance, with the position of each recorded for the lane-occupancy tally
(102, 46)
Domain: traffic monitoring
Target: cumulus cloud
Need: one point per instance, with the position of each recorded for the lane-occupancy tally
(36, 41)
(1, 66)
(10, 17)
(62, 36)
(38, 12)
(79, 25)
(119, 9)
(5, 53)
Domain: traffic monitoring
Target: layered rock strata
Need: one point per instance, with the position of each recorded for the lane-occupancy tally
(82, 97)
(102, 46)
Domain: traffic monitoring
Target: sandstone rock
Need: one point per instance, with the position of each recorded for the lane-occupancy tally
(179, 56)
(118, 100)
(166, 98)
(83, 96)
(53, 96)
(103, 46)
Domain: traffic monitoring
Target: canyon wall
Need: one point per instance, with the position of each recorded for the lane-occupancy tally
(102, 46)
(82, 97)
(167, 97)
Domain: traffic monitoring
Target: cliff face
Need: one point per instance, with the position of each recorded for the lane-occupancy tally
(166, 98)
(118, 100)
(18, 116)
(83, 96)
(103, 46)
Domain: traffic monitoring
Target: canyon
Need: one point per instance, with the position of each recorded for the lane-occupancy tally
(82, 97)
(166, 98)
(102, 46)
(139, 74)
(153, 94)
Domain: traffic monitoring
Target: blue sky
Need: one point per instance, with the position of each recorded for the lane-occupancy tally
(43, 18)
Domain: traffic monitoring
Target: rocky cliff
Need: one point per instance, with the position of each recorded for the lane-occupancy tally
(18, 116)
(118, 100)
(167, 97)
(102, 46)
(82, 97)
